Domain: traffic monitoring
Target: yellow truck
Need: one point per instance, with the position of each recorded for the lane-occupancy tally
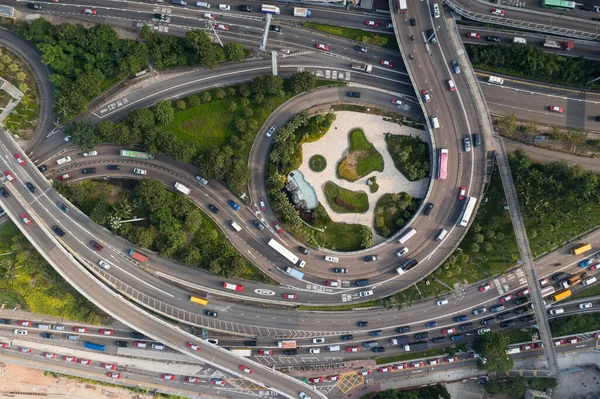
(559, 296)
(580, 249)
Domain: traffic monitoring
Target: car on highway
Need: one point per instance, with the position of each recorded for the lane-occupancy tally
(9, 176)
(34, 6)
(586, 305)
(47, 335)
(448, 330)
(347, 337)
(480, 310)
(485, 287)
(334, 377)
(462, 318)
(221, 27)
(80, 329)
(473, 35)
(262, 204)
(555, 108)
(192, 380)
(462, 193)
(138, 171)
(169, 377)
(85, 362)
(371, 23)
(20, 332)
(497, 11)
(233, 287)
(506, 298)
(451, 359)
(89, 11)
(233, 205)
(523, 292)
(109, 366)
(245, 369)
(49, 355)
(401, 252)
(543, 282)
(493, 39)
(24, 323)
(25, 219)
(371, 258)
(277, 228)
(218, 381)
(90, 153)
(4, 193)
(319, 340)
(426, 96)
(114, 375)
(342, 270)
(64, 176)
(362, 49)
(193, 346)
(20, 160)
(88, 170)
(431, 324)
(321, 46)
(573, 340)
(315, 380)
(412, 22)
(289, 296)
(106, 332)
(269, 134)
(353, 349)
(276, 28)
(398, 102)
(384, 369)
(31, 187)
(314, 350)
(387, 63)
(71, 359)
(467, 144)
(25, 350)
(442, 302)
(211, 313)
(208, 15)
(451, 85)
(455, 67)
(265, 351)
(59, 232)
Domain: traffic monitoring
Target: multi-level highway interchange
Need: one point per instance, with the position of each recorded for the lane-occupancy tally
(163, 288)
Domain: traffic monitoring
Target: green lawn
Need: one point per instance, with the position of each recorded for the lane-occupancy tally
(520, 335)
(384, 40)
(9, 300)
(353, 201)
(587, 292)
(410, 155)
(317, 163)
(362, 158)
(574, 324)
(417, 355)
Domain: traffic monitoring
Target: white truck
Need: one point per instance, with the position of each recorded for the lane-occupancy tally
(247, 352)
(182, 189)
(64, 160)
(301, 12)
(235, 226)
(359, 66)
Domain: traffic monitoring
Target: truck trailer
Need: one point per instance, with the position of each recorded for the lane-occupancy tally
(301, 12)
(287, 344)
(138, 256)
(401, 340)
(293, 273)
(416, 346)
(182, 189)
(96, 347)
(359, 66)
(554, 44)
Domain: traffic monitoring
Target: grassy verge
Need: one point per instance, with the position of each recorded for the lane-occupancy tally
(342, 200)
(418, 355)
(410, 155)
(317, 163)
(339, 308)
(377, 39)
(574, 324)
(588, 292)
(521, 335)
(393, 211)
(32, 284)
(362, 158)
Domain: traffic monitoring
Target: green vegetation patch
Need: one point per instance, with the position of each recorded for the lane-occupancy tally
(594, 290)
(418, 355)
(317, 163)
(362, 158)
(428, 392)
(28, 281)
(574, 324)
(520, 335)
(393, 211)
(410, 155)
(515, 387)
(373, 186)
(377, 39)
(343, 200)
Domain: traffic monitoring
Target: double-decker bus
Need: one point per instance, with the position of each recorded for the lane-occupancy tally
(198, 300)
(559, 4)
(136, 154)
(467, 211)
(442, 164)
(402, 6)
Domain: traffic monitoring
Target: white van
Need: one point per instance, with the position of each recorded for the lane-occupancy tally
(235, 226)
(442, 234)
(224, 7)
(63, 160)
(436, 10)
(483, 330)
(519, 40)
(435, 123)
(332, 259)
(556, 311)
(495, 80)
(202, 4)
(406, 236)
(589, 281)
(333, 348)
(158, 347)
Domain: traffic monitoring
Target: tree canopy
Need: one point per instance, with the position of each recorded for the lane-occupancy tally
(492, 347)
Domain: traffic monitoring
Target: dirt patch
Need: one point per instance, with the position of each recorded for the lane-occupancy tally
(348, 165)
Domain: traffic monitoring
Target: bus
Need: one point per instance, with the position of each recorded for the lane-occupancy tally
(559, 296)
(247, 352)
(198, 300)
(402, 6)
(467, 211)
(443, 164)
(547, 291)
(559, 4)
(136, 154)
(267, 9)
(283, 251)
(580, 249)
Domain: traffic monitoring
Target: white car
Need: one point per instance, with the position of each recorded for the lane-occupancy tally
(363, 294)
(271, 130)
(68, 138)
(318, 340)
(402, 251)
(90, 154)
(103, 264)
(315, 350)
(224, 7)
(585, 305)
(140, 171)
(303, 395)
(442, 302)
(20, 332)
(467, 144)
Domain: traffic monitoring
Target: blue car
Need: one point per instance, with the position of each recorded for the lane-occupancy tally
(461, 318)
(585, 263)
(431, 324)
(233, 205)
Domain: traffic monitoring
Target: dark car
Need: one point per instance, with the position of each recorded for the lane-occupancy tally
(493, 39)
(488, 321)
(353, 94)
(340, 270)
(122, 344)
(431, 324)
(376, 333)
(507, 324)
(520, 310)
(371, 258)
(88, 170)
(402, 329)
(5, 321)
(503, 316)
(34, 6)
(379, 349)
(251, 343)
(347, 337)
(457, 337)
(137, 335)
(43, 168)
(211, 313)
(59, 232)
(31, 188)
(525, 319)
(466, 326)
(290, 352)
(243, 7)
(96, 246)
(412, 21)
(4, 193)
(275, 28)
(213, 208)
(258, 225)
(464, 317)
(438, 340)
(428, 208)
(362, 323)
(363, 282)
(521, 301)
(304, 250)
(423, 335)
(62, 207)
(362, 49)
(47, 335)
(113, 167)
(560, 276)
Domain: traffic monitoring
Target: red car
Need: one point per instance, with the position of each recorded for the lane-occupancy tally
(261, 202)
(289, 296)
(426, 96)
(109, 366)
(222, 27)
(416, 365)
(485, 287)
(553, 108)
(315, 380)
(71, 359)
(497, 11)
(9, 176)
(193, 380)
(169, 377)
(448, 330)
(233, 287)
(334, 377)
(107, 332)
(80, 329)
(218, 381)
(451, 85)
(114, 375)
(387, 63)
(193, 347)
(353, 349)
(383, 369)
(594, 267)
(321, 46)
(452, 359)
(26, 350)
(574, 340)
(372, 23)
(506, 298)
(399, 366)
(473, 35)
(366, 372)
(19, 159)
(24, 323)
(245, 369)
(88, 11)
(543, 282)
(64, 176)
(399, 103)
(559, 342)
(25, 219)
(2, 345)
(526, 347)
(49, 355)
(85, 362)
(462, 193)
(265, 351)
(278, 228)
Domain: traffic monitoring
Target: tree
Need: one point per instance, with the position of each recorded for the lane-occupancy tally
(180, 104)
(164, 112)
(205, 97)
(82, 133)
(194, 101)
(302, 82)
(492, 346)
(234, 52)
(220, 93)
(142, 118)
